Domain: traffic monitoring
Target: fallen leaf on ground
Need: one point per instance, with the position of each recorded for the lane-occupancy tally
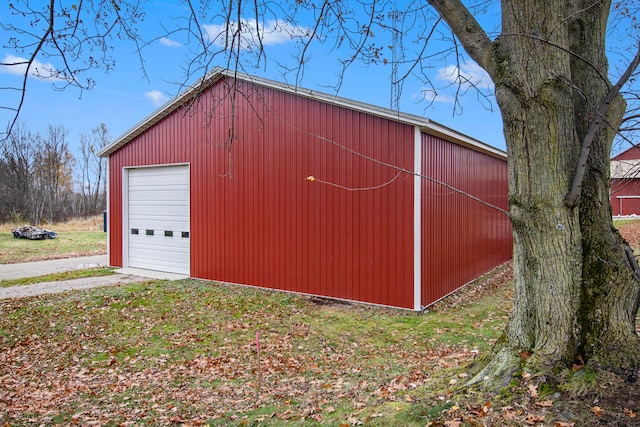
(481, 412)
(508, 413)
(579, 365)
(533, 419)
(597, 411)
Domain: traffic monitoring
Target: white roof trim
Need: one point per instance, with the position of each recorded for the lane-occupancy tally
(218, 73)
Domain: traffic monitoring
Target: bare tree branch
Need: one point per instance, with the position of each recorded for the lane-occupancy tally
(468, 30)
(594, 127)
(76, 37)
(29, 63)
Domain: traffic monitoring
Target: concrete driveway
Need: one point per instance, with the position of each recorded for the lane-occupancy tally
(39, 268)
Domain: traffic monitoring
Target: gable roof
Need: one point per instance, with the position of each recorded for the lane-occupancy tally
(425, 124)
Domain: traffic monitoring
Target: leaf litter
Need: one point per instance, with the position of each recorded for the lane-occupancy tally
(184, 353)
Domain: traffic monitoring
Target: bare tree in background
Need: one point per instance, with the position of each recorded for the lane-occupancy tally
(577, 282)
(92, 170)
(37, 174)
(16, 168)
(52, 177)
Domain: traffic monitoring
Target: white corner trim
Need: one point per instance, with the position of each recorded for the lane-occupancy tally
(108, 209)
(417, 220)
(125, 217)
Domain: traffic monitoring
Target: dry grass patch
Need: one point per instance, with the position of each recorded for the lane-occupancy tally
(94, 223)
(74, 238)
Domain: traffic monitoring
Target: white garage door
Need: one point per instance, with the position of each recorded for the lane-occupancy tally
(158, 218)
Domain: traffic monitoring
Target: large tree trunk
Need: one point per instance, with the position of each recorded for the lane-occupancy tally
(537, 110)
(610, 294)
(575, 297)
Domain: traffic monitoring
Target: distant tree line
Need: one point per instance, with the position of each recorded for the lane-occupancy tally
(41, 181)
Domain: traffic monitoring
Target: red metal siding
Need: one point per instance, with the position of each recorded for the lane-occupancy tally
(461, 238)
(114, 217)
(256, 220)
(625, 196)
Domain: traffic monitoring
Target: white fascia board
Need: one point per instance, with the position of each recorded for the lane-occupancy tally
(436, 129)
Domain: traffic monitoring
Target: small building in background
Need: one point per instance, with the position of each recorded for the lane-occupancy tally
(625, 183)
(246, 180)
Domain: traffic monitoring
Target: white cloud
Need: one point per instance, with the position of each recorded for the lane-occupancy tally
(456, 82)
(271, 33)
(170, 43)
(156, 97)
(432, 95)
(467, 75)
(17, 66)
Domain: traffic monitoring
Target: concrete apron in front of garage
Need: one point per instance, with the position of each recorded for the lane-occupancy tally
(158, 275)
(39, 268)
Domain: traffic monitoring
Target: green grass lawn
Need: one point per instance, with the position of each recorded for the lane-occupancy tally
(184, 353)
(165, 353)
(67, 244)
(162, 353)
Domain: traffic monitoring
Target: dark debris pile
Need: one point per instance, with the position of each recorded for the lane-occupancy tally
(33, 233)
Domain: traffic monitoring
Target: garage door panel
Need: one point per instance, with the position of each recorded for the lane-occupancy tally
(156, 175)
(173, 210)
(145, 252)
(157, 228)
(157, 250)
(151, 193)
(155, 181)
(142, 235)
(176, 191)
(158, 219)
(151, 197)
(169, 267)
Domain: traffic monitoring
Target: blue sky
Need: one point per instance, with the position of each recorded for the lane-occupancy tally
(125, 95)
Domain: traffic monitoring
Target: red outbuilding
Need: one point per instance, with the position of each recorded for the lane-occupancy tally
(625, 183)
(246, 180)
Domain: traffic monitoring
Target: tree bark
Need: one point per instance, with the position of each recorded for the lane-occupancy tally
(610, 293)
(536, 105)
(574, 292)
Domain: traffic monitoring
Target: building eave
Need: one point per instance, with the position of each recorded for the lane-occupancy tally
(426, 125)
